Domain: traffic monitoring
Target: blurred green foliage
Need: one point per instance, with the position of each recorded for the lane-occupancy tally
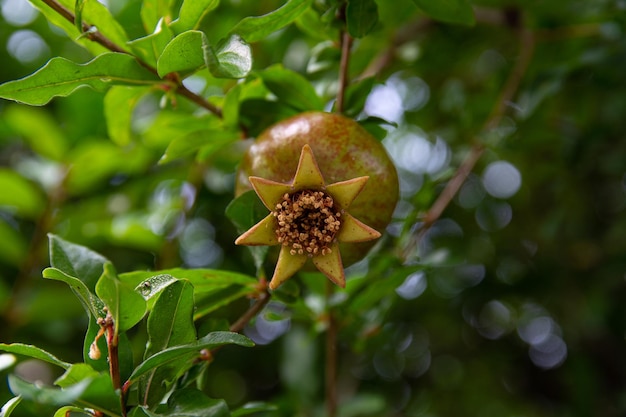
(512, 303)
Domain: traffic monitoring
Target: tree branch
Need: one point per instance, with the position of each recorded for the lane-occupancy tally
(93, 34)
(255, 309)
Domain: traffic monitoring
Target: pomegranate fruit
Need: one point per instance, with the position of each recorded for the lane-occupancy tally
(330, 187)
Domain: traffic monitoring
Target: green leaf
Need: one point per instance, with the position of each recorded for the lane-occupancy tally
(252, 408)
(125, 305)
(258, 114)
(311, 24)
(184, 146)
(199, 278)
(170, 323)
(75, 374)
(72, 411)
(19, 195)
(61, 77)
(39, 129)
(119, 103)
(13, 245)
(211, 300)
(185, 53)
(92, 304)
(33, 352)
(256, 28)
(361, 17)
(99, 393)
(245, 211)
(150, 287)
(9, 406)
(68, 27)
(153, 12)
(46, 396)
(149, 48)
(451, 11)
(191, 14)
(292, 88)
(76, 261)
(210, 341)
(231, 59)
(190, 402)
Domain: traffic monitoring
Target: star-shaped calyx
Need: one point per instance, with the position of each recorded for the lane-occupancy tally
(308, 219)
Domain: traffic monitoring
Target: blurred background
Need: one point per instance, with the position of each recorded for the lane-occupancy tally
(512, 304)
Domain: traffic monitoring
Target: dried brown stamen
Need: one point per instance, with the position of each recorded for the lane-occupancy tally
(307, 222)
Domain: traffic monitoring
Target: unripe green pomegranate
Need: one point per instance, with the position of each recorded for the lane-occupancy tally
(342, 150)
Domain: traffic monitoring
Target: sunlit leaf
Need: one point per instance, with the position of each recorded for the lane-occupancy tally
(256, 28)
(451, 11)
(232, 58)
(291, 87)
(72, 411)
(119, 103)
(361, 17)
(61, 77)
(33, 352)
(184, 53)
(191, 14)
(210, 341)
(125, 305)
(9, 406)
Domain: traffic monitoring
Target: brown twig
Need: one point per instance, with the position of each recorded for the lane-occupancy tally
(93, 34)
(255, 309)
(527, 43)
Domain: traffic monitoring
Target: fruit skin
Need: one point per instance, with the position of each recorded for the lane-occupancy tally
(344, 150)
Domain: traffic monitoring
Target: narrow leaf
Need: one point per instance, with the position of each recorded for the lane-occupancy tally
(210, 341)
(451, 11)
(253, 408)
(125, 305)
(119, 103)
(184, 53)
(61, 77)
(231, 59)
(291, 88)
(33, 352)
(361, 17)
(256, 28)
(9, 406)
(191, 14)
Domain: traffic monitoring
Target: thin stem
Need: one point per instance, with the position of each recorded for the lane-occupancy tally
(507, 94)
(331, 355)
(255, 309)
(346, 45)
(93, 34)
